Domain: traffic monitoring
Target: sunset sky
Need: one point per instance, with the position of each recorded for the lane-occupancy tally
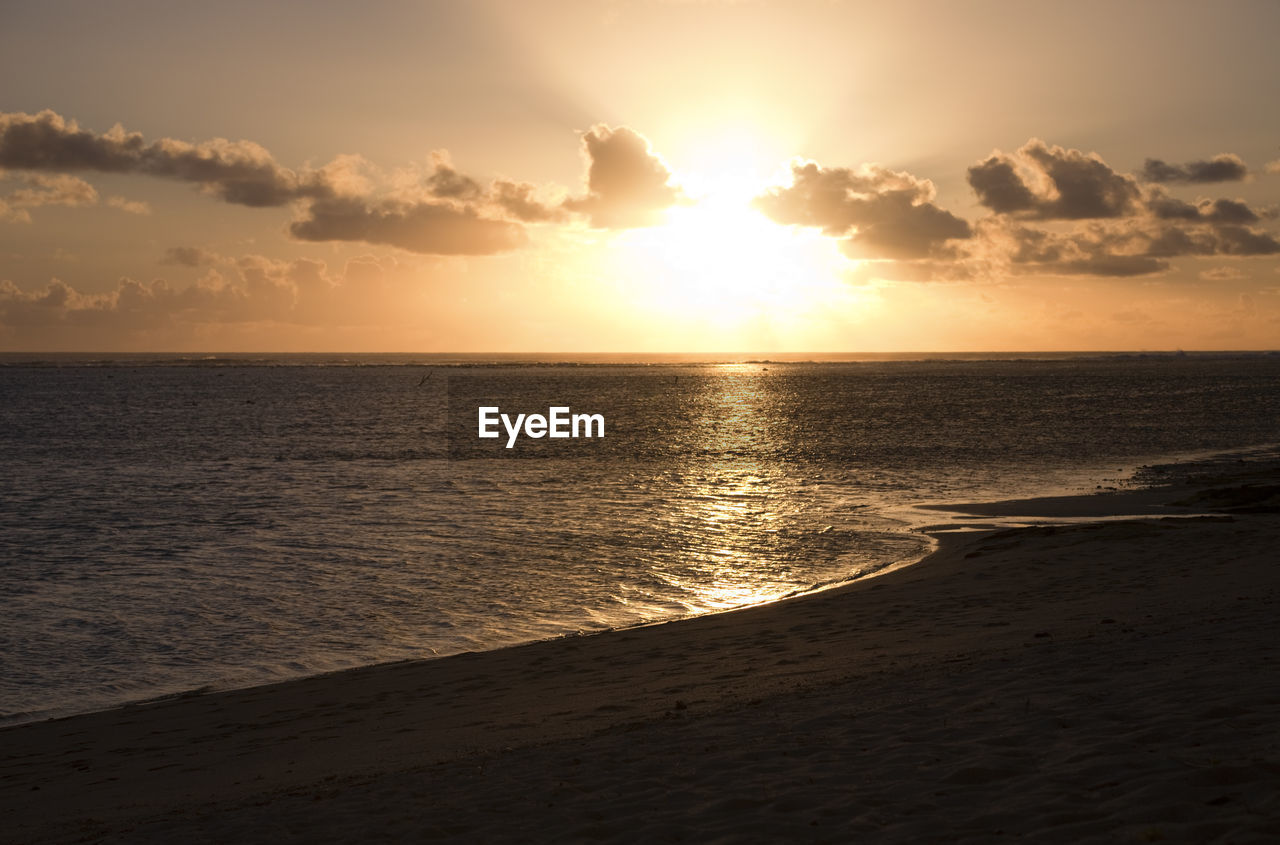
(639, 176)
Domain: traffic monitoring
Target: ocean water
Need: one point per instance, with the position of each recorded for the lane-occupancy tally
(168, 524)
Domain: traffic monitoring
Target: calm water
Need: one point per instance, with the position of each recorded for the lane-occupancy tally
(173, 524)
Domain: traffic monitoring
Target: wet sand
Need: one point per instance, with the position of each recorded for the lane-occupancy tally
(1108, 682)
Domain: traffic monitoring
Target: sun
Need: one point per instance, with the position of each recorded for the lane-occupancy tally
(719, 260)
(722, 258)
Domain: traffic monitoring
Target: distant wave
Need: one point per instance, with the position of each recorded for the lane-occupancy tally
(518, 359)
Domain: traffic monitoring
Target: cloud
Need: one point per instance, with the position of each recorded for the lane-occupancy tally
(879, 213)
(447, 183)
(1113, 248)
(1222, 274)
(443, 212)
(628, 185)
(1241, 240)
(1018, 249)
(517, 199)
(131, 306)
(504, 198)
(1053, 183)
(1273, 166)
(1099, 222)
(240, 172)
(1171, 241)
(60, 305)
(129, 206)
(1102, 264)
(258, 291)
(1226, 167)
(1223, 211)
(43, 189)
(423, 226)
(187, 256)
(1054, 212)
(999, 187)
(1120, 226)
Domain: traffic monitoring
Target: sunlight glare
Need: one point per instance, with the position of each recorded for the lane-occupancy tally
(720, 260)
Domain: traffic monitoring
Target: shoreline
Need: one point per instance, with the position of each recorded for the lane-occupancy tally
(910, 518)
(216, 689)
(835, 660)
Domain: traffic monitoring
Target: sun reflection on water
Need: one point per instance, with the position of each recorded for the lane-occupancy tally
(733, 499)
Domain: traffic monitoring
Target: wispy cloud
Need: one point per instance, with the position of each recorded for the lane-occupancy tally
(187, 256)
(255, 290)
(39, 189)
(1222, 274)
(129, 206)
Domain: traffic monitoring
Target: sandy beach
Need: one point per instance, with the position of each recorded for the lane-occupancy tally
(1093, 682)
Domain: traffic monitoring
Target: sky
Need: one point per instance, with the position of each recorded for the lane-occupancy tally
(639, 176)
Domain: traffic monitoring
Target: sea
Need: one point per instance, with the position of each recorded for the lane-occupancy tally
(179, 523)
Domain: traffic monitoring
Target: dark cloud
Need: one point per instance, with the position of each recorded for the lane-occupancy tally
(238, 172)
(1226, 167)
(187, 256)
(1065, 184)
(879, 213)
(1164, 207)
(999, 187)
(1102, 264)
(628, 185)
(1075, 186)
(1242, 240)
(1122, 228)
(1086, 187)
(1219, 211)
(1172, 241)
(423, 226)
